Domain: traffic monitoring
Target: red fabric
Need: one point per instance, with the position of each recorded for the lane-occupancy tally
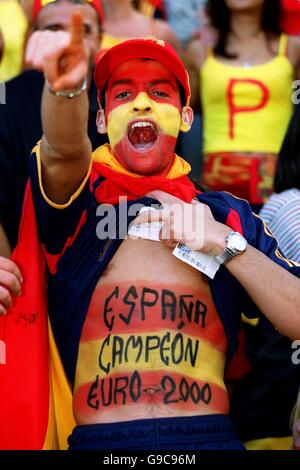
(291, 17)
(24, 379)
(118, 184)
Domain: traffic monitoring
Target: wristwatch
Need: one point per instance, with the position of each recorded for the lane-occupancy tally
(68, 93)
(236, 244)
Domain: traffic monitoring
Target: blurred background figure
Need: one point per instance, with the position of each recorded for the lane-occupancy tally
(1, 45)
(185, 18)
(245, 87)
(189, 21)
(291, 17)
(20, 118)
(122, 21)
(13, 26)
(152, 8)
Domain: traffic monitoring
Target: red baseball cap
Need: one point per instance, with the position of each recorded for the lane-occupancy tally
(39, 4)
(154, 49)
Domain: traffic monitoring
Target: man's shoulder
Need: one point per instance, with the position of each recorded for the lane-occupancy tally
(224, 200)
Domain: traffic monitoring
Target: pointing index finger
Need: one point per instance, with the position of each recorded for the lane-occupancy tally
(77, 30)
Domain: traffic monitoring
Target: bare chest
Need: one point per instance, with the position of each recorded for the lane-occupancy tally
(151, 335)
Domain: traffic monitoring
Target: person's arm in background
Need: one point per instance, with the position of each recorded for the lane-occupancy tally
(5, 249)
(194, 58)
(165, 32)
(27, 7)
(65, 146)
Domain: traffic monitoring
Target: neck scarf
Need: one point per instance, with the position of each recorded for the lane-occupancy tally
(121, 182)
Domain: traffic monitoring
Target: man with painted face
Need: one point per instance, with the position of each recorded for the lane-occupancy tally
(144, 338)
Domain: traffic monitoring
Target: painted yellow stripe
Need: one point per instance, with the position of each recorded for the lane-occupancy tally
(166, 116)
(209, 362)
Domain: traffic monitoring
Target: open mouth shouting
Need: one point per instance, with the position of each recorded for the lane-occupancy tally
(142, 134)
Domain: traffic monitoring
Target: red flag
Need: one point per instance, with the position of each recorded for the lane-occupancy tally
(24, 378)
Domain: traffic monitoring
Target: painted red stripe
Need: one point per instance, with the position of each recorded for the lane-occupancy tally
(188, 395)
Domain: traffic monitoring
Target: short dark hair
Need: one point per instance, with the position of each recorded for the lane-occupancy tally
(287, 174)
(219, 15)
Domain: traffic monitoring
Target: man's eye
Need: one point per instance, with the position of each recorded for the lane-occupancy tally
(123, 95)
(160, 94)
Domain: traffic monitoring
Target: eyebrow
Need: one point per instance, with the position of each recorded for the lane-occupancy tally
(127, 81)
(161, 81)
(60, 26)
(124, 81)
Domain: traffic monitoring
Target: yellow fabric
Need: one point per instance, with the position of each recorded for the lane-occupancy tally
(208, 367)
(104, 155)
(270, 443)
(61, 419)
(108, 40)
(250, 321)
(13, 25)
(224, 93)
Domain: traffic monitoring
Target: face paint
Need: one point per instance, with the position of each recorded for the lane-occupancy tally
(143, 115)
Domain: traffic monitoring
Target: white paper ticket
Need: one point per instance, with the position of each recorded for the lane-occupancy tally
(207, 264)
(150, 231)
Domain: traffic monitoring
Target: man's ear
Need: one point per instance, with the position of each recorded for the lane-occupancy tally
(187, 118)
(100, 122)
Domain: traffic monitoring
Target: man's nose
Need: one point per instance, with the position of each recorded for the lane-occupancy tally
(142, 103)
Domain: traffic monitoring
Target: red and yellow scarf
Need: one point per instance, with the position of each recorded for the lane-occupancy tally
(121, 182)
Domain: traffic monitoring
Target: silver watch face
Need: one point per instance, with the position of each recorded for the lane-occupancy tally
(236, 242)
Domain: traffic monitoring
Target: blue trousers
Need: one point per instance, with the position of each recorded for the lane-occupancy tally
(212, 432)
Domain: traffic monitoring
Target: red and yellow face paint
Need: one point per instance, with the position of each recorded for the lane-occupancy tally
(143, 116)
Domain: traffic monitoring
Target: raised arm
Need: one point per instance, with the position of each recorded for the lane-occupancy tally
(194, 57)
(65, 147)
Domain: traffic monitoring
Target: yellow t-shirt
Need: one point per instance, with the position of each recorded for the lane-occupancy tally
(13, 25)
(246, 109)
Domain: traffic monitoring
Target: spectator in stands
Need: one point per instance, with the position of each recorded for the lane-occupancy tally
(13, 25)
(245, 84)
(282, 211)
(1, 45)
(263, 400)
(185, 17)
(20, 126)
(123, 21)
(291, 17)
